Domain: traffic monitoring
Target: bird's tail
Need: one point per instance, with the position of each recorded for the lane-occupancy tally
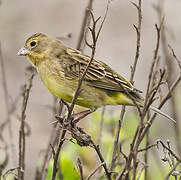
(158, 111)
(140, 101)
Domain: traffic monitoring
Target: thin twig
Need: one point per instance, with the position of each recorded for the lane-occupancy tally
(88, 178)
(80, 167)
(86, 22)
(158, 30)
(116, 140)
(149, 100)
(161, 104)
(165, 99)
(140, 128)
(147, 147)
(170, 68)
(21, 163)
(97, 149)
(169, 150)
(133, 70)
(93, 47)
(56, 155)
(138, 32)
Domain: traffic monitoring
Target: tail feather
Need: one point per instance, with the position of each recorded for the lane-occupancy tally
(156, 110)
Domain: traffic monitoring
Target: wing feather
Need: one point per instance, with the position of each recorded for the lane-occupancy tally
(99, 74)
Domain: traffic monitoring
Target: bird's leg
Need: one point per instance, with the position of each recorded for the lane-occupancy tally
(65, 103)
(81, 115)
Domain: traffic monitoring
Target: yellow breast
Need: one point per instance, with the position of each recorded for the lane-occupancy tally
(54, 79)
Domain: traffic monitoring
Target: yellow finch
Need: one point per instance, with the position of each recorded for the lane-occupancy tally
(60, 68)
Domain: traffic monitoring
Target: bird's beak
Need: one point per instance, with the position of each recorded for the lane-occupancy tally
(23, 52)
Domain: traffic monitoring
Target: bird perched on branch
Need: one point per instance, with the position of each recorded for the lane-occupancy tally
(60, 68)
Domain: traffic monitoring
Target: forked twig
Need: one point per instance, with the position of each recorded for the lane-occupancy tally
(85, 24)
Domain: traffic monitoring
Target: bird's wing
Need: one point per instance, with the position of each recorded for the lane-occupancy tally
(98, 75)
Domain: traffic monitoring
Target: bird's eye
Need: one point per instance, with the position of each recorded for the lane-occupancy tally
(33, 43)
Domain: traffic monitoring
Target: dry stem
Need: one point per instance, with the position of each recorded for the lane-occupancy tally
(21, 164)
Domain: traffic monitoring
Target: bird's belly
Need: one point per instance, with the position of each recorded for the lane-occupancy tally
(89, 97)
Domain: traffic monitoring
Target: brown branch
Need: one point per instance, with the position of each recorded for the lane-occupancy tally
(84, 139)
(133, 69)
(93, 47)
(149, 100)
(146, 152)
(86, 22)
(80, 167)
(165, 99)
(171, 71)
(147, 126)
(97, 149)
(158, 30)
(141, 127)
(169, 150)
(56, 155)
(116, 140)
(147, 147)
(153, 91)
(138, 32)
(88, 178)
(21, 162)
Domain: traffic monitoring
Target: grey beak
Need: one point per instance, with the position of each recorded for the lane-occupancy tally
(23, 52)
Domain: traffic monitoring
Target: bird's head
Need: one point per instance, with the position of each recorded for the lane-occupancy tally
(36, 48)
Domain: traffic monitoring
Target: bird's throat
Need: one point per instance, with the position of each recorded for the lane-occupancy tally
(35, 58)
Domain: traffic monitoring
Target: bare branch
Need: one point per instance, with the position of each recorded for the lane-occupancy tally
(169, 150)
(80, 167)
(158, 30)
(21, 162)
(89, 177)
(148, 147)
(138, 32)
(116, 140)
(96, 147)
(85, 24)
